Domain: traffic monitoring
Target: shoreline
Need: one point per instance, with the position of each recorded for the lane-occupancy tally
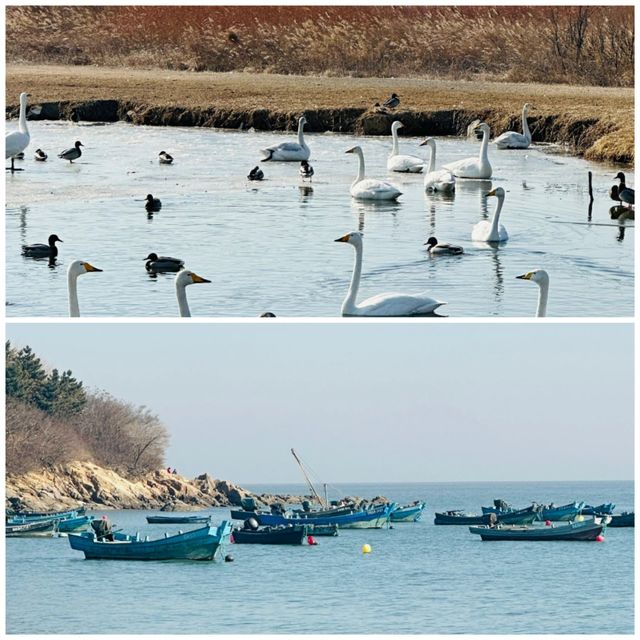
(594, 122)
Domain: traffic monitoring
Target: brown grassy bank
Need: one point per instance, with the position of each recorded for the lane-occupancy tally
(591, 45)
(596, 122)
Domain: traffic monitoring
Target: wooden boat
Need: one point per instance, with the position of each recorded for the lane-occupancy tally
(457, 517)
(408, 513)
(499, 506)
(587, 529)
(565, 512)
(327, 530)
(624, 519)
(519, 516)
(27, 516)
(74, 524)
(204, 543)
(178, 519)
(601, 509)
(30, 529)
(270, 535)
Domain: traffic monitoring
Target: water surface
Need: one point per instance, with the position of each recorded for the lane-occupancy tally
(269, 245)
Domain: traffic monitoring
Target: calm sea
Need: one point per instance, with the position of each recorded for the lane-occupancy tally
(419, 579)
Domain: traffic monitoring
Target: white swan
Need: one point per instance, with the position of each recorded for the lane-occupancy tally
(513, 139)
(289, 151)
(76, 268)
(398, 162)
(385, 304)
(437, 180)
(369, 188)
(479, 167)
(493, 231)
(541, 278)
(17, 141)
(183, 280)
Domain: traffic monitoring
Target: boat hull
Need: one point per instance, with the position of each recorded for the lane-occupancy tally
(410, 513)
(74, 524)
(31, 529)
(585, 530)
(623, 520)
(198, 544)
(178, 519)
(461, 519)
(287, 535)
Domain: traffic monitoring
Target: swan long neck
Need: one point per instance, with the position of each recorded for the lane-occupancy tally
(72, 286)
(300, 133)
(543, 296)
(183, 305)
(360, 175)
(432, 160)
(484, 146)
(395, 149)
(495, 221)
(22, 122)
(350, 301)
(525, 124)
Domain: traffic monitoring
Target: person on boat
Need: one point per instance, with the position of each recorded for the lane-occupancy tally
(102, 529)
(168, 469)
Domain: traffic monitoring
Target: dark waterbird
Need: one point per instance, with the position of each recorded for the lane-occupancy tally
(73, 153)
(622, 193)
(40, 250)
(256, 174)
(392, 102)
(442, 248)
(152, 204)
(163, 263)
(40, 155)
(164, 158)
(306, 170)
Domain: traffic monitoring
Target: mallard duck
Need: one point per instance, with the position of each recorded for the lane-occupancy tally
(164, 158)
(73, 153)
(40, 250)
(392, 102)
(436, 248)
(256, 174)
(40, 155)
(622, 193)
(152, 204)
(157, 263)
(306, 170)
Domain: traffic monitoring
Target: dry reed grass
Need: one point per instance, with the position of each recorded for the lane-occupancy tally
(576, 45)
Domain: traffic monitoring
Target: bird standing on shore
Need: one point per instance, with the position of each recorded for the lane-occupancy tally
(392, 102)
(306, 170)
(40, 155)
(152, 204)
(73, 153)
(256, 174)
(164, 158)
(622, 193)
(17, 141)
(40, 250)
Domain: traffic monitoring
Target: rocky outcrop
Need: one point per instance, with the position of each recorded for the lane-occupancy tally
(98, 488)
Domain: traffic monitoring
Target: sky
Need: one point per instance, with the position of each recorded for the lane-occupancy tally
(367, 402)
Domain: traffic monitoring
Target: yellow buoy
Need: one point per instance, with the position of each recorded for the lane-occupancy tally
(366, 548)
(580, 518)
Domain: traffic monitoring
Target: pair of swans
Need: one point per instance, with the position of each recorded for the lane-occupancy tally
(17, 141)
(385, 304)
(513, 139)
(289, 151)
(80, 267)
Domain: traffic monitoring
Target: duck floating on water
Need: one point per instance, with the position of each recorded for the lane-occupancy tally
(40, 155)
(17, 141)
(73, 153)
(152, 204)
(40, 250)
(442, 248)
(256, 174)
(164, 158)
(306, 170)
(159, 264)
(622, 193)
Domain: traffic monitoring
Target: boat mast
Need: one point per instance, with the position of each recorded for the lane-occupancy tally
(304, 472)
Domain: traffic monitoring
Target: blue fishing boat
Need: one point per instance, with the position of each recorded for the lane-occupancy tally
(601, 509)
(519, 516)
(294, 535)
(174, 519)
(458, 517)
(68, 525)
(624, 519)
(587, 529)
(408, 513)
(565, 512)
(204, 543)
(31, 529)
(30, 516)
(326, 530)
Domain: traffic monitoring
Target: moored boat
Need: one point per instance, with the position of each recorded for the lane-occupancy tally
(624, 519)
(458, 517)
(601, 509)
(409, 512)
(270, 535)
(565, 512)
(519, 516)
(326, 530)
(68, 525)
(178, 519)
(28, 516)
(203, 543)
(587, 529)
(30, 529)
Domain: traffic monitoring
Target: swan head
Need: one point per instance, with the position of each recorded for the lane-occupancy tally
(357, 150)
(185, 278)
(539, 276)
(430, 142)
(53, 238)
(527, 107)
(498, 192)
(396, 124)
(302, 121)
(354, 238)
(78, 267)
(484, 127)
(24, 96)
